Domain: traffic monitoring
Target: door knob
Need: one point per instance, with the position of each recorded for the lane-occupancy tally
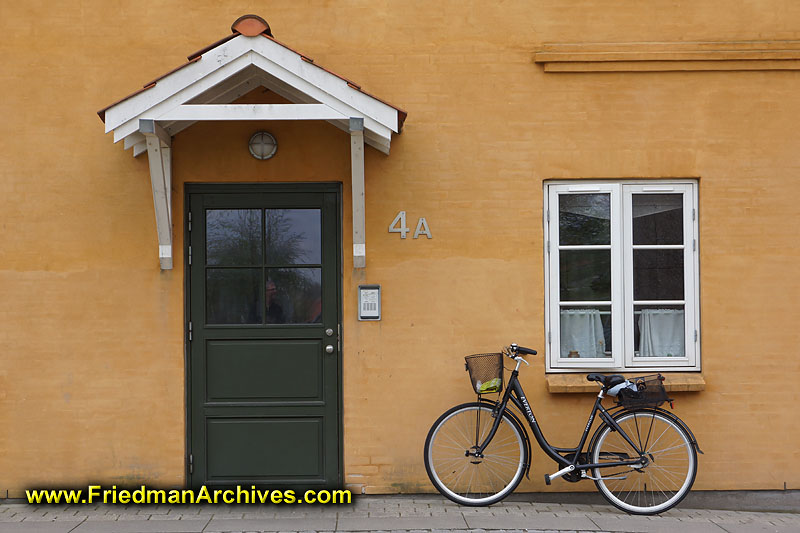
(329, 348)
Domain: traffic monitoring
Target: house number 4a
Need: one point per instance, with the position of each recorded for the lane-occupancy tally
(398, 225)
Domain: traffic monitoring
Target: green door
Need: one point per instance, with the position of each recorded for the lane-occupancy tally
(263, 325)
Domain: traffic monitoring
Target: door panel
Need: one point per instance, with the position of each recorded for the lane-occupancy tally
(265, 370)
(262, 449)
(264, 286)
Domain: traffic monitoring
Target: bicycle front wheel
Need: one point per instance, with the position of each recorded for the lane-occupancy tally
(457, 473)
(663, 477)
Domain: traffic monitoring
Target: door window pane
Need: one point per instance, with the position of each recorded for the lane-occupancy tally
(233, 237)
(658, 274)
(234, 296)
(657, 218)
(584, 219)
(294, 236)
(585, 275)
(586, 332)
(659, 331)
(294, 296)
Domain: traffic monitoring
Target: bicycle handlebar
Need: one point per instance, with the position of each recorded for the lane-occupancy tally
(515, 349)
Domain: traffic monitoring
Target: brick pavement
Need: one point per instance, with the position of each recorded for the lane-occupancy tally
(380, 513)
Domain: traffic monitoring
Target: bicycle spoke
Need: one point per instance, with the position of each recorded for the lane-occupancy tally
(468, 479)
(665, 473)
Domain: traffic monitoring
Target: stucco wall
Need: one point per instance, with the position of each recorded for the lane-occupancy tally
(91, 331)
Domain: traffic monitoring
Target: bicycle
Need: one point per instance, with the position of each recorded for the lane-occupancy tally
(642, 458)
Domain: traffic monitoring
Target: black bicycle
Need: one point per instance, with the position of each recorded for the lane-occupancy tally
(642, 458)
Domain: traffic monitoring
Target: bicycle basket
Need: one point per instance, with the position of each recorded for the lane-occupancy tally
(485, 372)
(650, 392)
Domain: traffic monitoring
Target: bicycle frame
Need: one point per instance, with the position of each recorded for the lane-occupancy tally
(516, 395)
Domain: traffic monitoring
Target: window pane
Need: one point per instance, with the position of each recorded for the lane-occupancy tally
(586, 332)
(658, 275)
(659, 331)
(294, 296)
(584, 219)
(585, 275)
(657, 219)
(233, 237)
(233, 296)
(294, 236)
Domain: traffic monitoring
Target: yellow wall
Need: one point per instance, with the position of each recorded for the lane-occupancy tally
(91, 334)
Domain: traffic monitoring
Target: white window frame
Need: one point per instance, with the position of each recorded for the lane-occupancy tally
(622, 337)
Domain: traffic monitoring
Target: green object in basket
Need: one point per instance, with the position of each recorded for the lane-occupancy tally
(493, 385)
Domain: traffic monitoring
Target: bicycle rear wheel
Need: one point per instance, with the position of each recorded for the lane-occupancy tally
(470, 480)
(669, 467)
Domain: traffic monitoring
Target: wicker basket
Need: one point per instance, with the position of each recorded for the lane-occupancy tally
(485, 372)
(650, 392)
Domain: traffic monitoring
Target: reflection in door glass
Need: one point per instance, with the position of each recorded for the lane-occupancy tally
(294, 236)
(585, 275)
(294, 296)
(658, 275)
(584, 219)
(233, 296)
(657, 218)
(233, 237)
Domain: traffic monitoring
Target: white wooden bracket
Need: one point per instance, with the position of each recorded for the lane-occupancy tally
(357, 173)
(159, 155)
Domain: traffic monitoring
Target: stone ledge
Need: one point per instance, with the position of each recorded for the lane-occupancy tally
(668, 57)
(573, 383)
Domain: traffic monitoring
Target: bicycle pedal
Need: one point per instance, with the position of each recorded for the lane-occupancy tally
(546, 479)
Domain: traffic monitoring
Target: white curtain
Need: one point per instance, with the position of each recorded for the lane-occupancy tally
(582, 332)
(661, 333)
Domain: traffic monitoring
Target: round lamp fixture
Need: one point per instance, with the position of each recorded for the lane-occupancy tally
(263, 145)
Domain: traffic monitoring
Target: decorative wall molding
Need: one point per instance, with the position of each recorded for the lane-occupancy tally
(667, 57)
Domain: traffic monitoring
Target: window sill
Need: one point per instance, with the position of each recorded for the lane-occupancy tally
(572, 383)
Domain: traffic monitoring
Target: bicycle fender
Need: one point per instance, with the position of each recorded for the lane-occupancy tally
(658, 410)
(524, 433)
(682, 425)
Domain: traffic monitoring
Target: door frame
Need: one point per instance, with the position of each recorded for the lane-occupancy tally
(239, 188)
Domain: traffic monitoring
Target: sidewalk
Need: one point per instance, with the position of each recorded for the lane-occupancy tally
(380, 513)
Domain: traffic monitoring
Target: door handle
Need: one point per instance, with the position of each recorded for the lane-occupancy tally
(329, 348)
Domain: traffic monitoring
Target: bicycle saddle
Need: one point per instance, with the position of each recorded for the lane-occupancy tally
(607, 381)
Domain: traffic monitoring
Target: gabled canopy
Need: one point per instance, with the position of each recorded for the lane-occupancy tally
(204, 88)
(232, 67)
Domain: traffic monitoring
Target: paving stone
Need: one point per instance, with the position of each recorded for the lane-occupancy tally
(751, 527)
(62, 526)
(527, 522)
(402, 523)
(273, 524)
(656, 525)
(142, 526)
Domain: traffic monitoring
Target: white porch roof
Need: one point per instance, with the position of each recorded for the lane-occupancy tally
(204, 88)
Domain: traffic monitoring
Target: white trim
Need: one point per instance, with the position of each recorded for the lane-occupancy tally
(181, 95)
(325, 81)
(553, 300)
(251, 112)
(222, 62)
(322, 95)
(690, 359)
(216, 60)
